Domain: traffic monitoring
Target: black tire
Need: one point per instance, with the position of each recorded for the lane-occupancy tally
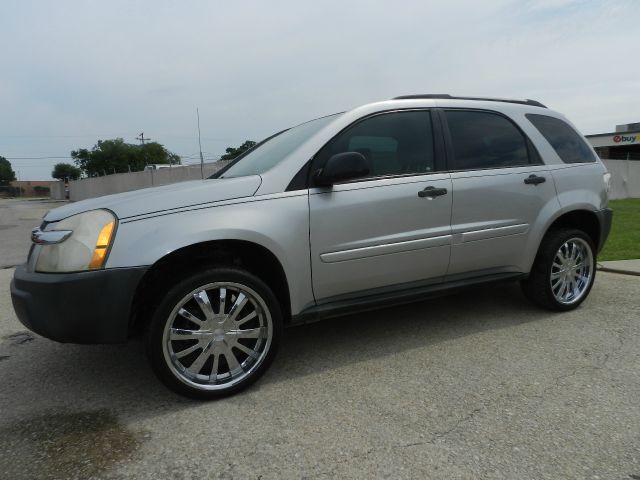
(537, 287)
(219, 330)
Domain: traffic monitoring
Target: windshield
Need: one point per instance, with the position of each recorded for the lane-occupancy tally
(271, 151)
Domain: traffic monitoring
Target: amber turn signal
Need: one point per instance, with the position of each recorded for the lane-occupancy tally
(102, 244)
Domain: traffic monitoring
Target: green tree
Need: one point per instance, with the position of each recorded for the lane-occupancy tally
(234, 152)
(116, 156)
(7, 175)
(65, 171)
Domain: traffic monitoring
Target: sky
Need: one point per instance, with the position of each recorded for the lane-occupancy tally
(74, 72)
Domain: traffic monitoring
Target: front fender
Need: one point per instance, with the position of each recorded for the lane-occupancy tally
(277, 223)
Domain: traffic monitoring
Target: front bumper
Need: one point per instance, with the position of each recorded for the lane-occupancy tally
(82, 307)
(605, 217)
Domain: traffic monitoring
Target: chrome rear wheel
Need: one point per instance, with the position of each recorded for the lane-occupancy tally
(571, 271)
(563, 271)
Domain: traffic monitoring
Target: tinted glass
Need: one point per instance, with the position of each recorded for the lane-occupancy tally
(269, 153)
(568, 144)
(396, 143)
(485, 140)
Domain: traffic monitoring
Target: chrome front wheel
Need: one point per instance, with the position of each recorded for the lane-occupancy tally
(214, 333)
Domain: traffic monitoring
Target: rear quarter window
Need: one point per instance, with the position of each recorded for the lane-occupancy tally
(570, 146)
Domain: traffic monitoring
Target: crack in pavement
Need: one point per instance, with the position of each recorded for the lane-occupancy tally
(20, 338)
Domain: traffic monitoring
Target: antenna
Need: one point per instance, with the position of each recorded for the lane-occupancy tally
(200, 145)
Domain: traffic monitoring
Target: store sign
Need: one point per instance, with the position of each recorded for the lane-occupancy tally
(622, 139)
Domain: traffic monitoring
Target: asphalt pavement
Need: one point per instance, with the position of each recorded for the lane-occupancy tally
(477, 385)
(17, 218)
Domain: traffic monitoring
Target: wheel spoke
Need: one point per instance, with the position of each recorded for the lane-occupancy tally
(199, 362)
(205, 305)
(245, 319)
(223, 300)
(573, 288)
(584, 278)
(577, 251)
(562, 254)
(570, 289)
(183, 334)
(192, 318)
(563, 289)
(558, 286)
(232, 361)
(252, 353)
(237, 306)
(213, 377)
(187, 351)
(249, 333)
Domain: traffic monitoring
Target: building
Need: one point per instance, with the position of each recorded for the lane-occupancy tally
(623, 144)
(620, 152)
(32, 188)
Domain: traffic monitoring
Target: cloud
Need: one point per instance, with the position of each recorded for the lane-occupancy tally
(554, 4)
(79, 71)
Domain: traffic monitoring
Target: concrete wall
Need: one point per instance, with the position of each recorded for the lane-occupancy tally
(125, 182)
(56, 190)
(625, 178)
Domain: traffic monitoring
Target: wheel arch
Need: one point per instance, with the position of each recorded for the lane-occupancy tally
(250, 256)
(580, 219)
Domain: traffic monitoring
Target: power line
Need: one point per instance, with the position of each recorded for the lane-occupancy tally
(187, 156)
(66, 136)
(34, 158)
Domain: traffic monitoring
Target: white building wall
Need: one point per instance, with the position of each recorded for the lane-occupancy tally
(625, 178)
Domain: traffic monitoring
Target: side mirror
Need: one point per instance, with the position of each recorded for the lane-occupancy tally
(341, 167)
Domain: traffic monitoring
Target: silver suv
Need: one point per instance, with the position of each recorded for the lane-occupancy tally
(384, 204)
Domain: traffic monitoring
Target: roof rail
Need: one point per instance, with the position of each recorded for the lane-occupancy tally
(533, 103)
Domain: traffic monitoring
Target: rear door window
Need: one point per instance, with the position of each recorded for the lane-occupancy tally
(570, 146)
(483, 140)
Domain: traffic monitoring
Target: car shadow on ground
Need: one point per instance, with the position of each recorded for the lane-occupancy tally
(112, 376)
(340, 341)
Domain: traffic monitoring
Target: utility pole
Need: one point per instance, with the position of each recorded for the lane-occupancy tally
(142, 139)
(200, 145)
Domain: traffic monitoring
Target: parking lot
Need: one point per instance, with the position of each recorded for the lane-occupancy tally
(480, 384)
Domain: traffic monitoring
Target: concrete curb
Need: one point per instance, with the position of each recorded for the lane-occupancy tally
(617, 270)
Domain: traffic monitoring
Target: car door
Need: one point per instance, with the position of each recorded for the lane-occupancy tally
(500, 189)
(380, 232)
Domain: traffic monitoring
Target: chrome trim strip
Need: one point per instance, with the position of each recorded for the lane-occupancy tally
(49, 238)
(385, 249)
(494, 232)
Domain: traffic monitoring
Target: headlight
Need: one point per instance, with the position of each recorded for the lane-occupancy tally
(80, 242)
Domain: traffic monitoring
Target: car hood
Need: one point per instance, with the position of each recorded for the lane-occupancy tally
(158, 199)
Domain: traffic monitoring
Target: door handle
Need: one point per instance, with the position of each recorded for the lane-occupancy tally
(431, 192)
(534, 180)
